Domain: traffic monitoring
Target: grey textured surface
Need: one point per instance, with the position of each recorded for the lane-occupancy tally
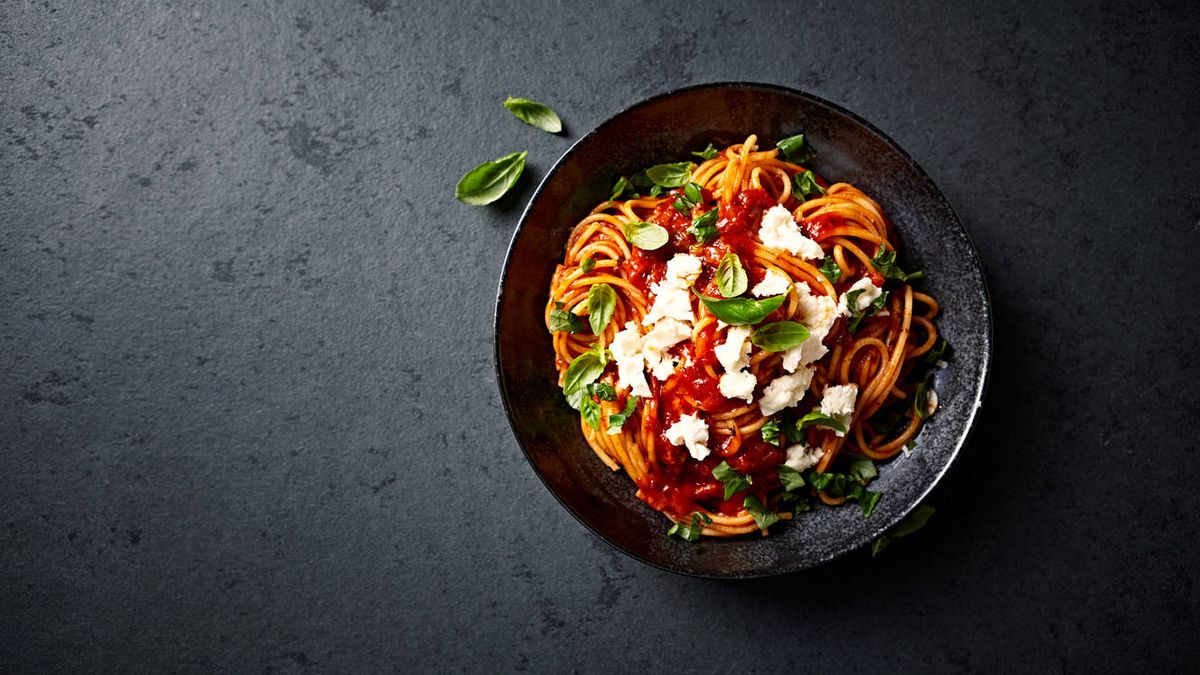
(248, 418)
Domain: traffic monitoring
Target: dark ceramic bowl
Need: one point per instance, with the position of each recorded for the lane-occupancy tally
(664, 129)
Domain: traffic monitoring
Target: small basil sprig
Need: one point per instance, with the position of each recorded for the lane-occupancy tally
(707, 153)
(646, 236)
(621, 187)
(805, 184)
(489, 181)
(602, 300)
(584, 370)
(618, 420)
(734, 482)
(885, 262)
(856, 315)
(670, 175)
(587, 265)
(731, 276)
(762, 517)
(534, 114)
(691, 198)
(795, 149)
(564, 320)
(690, 532)
(704, 227)
(779, 336)
(817, 418)
(911, 523)
(845, 485)
(741, 311)
(831, 270)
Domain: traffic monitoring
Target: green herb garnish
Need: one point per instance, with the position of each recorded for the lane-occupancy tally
(489, 181)
(534, 114)
(741, 311)
(617, 420)
(734, 482)
(779, 336)
(646, 236)
(911, 523)
(831, 270)
(602, 300)
(707, 153)
(690, 532)
(762, 517)
(704, 227)
(819, 419)
(805, 184)
(795, 149)
(731, 277)
(564, 320)
(670, 175)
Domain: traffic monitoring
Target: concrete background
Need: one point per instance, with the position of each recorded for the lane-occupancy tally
(248, 420)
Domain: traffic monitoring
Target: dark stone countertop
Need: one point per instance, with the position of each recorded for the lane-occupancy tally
(248, 420)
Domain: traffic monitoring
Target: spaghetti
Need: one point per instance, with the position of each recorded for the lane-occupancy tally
(740, 341)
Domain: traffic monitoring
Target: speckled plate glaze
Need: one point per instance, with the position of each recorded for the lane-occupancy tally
(664, 129)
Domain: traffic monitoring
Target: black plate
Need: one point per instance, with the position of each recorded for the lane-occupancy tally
(664, 129)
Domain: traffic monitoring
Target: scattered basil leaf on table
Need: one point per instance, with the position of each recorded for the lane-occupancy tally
(731, 276)
(602, 300)
(534, 114)
(741, 311)
(779, 336)
(646, 236)
(489, 181)
(734, 481)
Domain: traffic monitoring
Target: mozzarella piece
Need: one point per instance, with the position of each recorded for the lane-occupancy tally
(801, 457)
(774, 283)
(780, 231)
(666, 334)
(869, 292)
(670, 302)
(682, 270)
(734, 355)
(838, 403)
(739, 384)
(931, 402)
(817, 313)
(626, 348)
(785, 391)
(691, 431)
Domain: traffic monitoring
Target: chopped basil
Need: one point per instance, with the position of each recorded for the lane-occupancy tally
(867, 502)
(621, 187)
(646, 236)
(731, 277)
(489, 181)
(603, 391)
(590, 410)
(690, 532)
(601, 353)
(911, 523)
(704, 227)
(885, 262)
(805, 184)
(564, 320)
(856, 316)
(583, 371)
(682, 206)
(863, 469)
(762, 517)
(831, 270)
(937, 353)
(693, 193)
(734, 482)
(617, 420)
(921, 396)
(795, 149)
(819, 419)
(602, 300)
(656, 190)
(707, 153)
(670, 175)
(534, 114)
(587, 265)
(848, 486)
(742, 311)
(779, 336)
(790, 478)
(770, 432)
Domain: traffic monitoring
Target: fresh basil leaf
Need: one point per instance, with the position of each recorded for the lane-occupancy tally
(885, 262)
(762, 517)
(693, 193)
(805, 184)
(618, 420)
(587, 265)
(779, 336)
(682, 206)
(863, 469)
(704, 227)
(565, 321)
(921, 396)
(795, 149)
(656, 190)
(670, 175)
(621, 187)
(734, 482)
(938, 353)
(790, 478)
(602, 300)
(819, 419)
(742, 311)
(867, 502)
(603, 391)
(601, 353)
(489, 181)
(707, 153)
(856, 316)
(534, 114)
(583, 371)
(690, 532)
(640, 181)
(912, 522)
(590, 411)
(831, 270)
(731, 276)
(770, 432)
(646, 236)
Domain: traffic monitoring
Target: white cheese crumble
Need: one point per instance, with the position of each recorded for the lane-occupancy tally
(734, 355)
(738, 385)
(780, 231)
(800, 457)
(931, 402)
(869, 292)
(691, 431)
(672, 298)
(838, 403)
(626, 349)
(817, 313)
(683, 270)
(785, 391)
(774, 283)
(666, 334)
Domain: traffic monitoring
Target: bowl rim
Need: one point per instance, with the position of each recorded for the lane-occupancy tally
(988, 336)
